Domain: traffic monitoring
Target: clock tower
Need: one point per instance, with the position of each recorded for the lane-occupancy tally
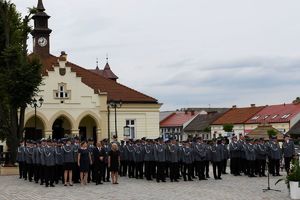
(41, 32)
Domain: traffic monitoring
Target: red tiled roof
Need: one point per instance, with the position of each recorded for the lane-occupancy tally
(275, 114)
(115, 90)
(177, 119)
(237, 115)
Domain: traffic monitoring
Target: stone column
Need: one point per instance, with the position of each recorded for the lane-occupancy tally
(48, 133)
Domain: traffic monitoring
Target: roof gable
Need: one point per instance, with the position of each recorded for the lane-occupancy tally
(116, 91)
(177, 119)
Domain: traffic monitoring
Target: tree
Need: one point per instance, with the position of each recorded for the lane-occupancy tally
(271, 133)
(20, 75)
(228, 127)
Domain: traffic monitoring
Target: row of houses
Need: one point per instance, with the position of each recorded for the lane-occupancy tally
(209, 122)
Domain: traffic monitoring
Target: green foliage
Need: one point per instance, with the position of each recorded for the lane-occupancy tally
(19, 75)
(207, 129)
(294, 174)
(228, 127)
(271, 133)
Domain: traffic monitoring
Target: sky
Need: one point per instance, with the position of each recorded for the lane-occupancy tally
(185, 53)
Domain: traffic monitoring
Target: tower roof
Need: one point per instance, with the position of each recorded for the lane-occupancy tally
(40, 6)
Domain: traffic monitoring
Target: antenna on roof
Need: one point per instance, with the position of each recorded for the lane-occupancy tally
(106, 57)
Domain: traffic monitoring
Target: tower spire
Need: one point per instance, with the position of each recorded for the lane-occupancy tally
(106, 58)
(40, 6)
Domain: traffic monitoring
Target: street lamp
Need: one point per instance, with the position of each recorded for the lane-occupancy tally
(115, 105)
(36, 104)
(126, 131)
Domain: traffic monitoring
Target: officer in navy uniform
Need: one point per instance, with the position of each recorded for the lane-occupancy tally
(59, 160)
(149, 160)
(50, 164)
(21, 160)
(200, 151)
(91, 168)
(225, 155)
(160, 158)
(28, 160)
(188, 159)
(261, 156)
(207, 158)
(107, 149)
(41, 155)
(123, 158)
(138, 159)
(288, 150)
(130, 153)
(174, 153)
(243, 161)
(36, 162)
(275, 156)
(250, 157)
(234, 152)
(216, 158)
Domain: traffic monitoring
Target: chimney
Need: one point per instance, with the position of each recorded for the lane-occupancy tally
(234, 106)
(185, 111)
(252, 105)
(192, 112)
(63, 56)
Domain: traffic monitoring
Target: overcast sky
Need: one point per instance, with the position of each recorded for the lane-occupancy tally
(185, 53)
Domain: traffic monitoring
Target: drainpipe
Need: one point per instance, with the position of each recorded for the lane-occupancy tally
(108, 123)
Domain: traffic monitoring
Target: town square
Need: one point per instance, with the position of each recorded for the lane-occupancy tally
(149, 100)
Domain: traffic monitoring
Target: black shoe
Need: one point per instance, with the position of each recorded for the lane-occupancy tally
(219, 178)
(157, 181)
(52, 185)
(176, 180)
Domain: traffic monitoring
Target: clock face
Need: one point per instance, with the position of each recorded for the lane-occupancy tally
(42, 41)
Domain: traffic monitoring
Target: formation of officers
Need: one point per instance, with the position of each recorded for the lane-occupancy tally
(49, 162)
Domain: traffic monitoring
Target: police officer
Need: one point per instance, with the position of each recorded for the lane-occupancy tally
(225, 155)
(216, 158)
(59, 160)
(21, 159)
(275, 156)
(130, 153)
(69, 161)
(160, 158)
(138, 159)
(28, 160)
(261, 156)
(250, 157)
(200, 151)
(91, 147)
(36, 161)
(50, 164)
(234, 150)
(123, 158)
(288, 150)
(173, 152)
(149, 160)
(188, 159)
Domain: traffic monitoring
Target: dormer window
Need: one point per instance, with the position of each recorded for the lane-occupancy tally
(285, 116)
(255, 117)
(266, 116)
(62, 92)
(274, 116)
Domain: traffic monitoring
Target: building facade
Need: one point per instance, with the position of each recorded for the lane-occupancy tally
(82, 102)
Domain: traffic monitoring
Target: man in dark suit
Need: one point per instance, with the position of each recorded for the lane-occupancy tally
(99, 154)
(288, 150)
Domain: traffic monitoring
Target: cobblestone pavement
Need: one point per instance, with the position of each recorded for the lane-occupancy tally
(231, 188)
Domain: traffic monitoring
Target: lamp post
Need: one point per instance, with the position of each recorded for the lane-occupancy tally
(115, 105)
(36, 104)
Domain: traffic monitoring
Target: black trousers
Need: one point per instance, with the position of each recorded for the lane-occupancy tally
(123, 168)
(261, 166)
(59, 173)
(234, 163)
(98, 171)
(36, 172)
(21, 169)
(243, 165)
(42, 174)
(148, 170)
(30, 170)
(188, 171)
(274, 165)
(139, 170)
(49, 175)
(250, 167)
(224, 166)
(200, 167)
(174, 171)
(131, 169)
(217, 169)
(160, 171)
(167, 168)
(206, 166)
(287, 163)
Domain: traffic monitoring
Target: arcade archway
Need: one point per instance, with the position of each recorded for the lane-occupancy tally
(61, 127)
(87, 128)
(30, 132)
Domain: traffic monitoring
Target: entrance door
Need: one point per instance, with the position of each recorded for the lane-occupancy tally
(82, 133)
(57, 129)
(31, 134)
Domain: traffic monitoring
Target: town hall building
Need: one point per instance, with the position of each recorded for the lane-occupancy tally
(82, 102)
